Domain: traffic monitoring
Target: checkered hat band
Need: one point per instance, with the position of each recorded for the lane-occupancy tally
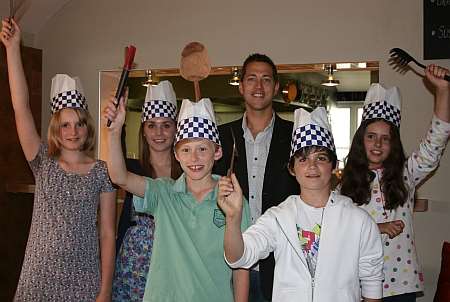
(382, 110)
(68, 99)
(311, 135)
(197, 127)
(158, 108)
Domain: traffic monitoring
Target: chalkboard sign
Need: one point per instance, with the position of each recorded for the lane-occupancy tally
(436, 29)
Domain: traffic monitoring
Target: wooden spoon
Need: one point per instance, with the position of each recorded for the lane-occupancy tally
(194, 65)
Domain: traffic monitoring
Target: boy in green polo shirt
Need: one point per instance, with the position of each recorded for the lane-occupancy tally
(187, 261)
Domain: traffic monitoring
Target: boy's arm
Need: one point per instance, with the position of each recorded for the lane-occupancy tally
(241, 285)
(260, 238)
(230, 201)
(130, 182)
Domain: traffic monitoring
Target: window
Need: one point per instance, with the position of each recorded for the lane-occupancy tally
(345, 119)
(360, 112)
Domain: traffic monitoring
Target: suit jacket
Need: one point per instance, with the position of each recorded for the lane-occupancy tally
(278, 183)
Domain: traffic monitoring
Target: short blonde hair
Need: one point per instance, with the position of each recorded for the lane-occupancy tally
(191, 139)
(53, 137)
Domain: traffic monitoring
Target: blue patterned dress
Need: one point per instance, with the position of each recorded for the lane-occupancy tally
(133, 260)
(135, 243)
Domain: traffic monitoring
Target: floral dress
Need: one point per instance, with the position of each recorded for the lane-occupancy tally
(134, 250)
(133, 260)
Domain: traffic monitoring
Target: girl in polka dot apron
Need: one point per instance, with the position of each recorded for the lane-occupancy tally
(380, 179)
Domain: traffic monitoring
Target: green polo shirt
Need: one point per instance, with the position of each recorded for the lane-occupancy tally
(187, 261)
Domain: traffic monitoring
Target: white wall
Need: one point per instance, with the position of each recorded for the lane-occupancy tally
(88, 36)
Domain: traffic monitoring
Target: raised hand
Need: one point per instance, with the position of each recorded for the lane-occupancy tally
(10, 34)
(435, 74)
(229, 197)
(115, 115)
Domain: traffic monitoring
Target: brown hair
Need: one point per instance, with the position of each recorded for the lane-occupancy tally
(357, 178)
(144, 158)
(53, 134)
(305, 151)
(257, 57)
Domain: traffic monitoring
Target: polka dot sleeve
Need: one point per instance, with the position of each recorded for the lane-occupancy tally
(426, 158)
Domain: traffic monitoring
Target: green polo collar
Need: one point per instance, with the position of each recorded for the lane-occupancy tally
(180, 186)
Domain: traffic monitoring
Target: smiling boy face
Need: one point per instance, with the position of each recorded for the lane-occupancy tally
(197, 156)
(313, 169)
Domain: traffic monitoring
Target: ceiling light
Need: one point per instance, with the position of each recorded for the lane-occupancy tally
(362, 65)
(330, 82)
(343, 65)
(234, 81)
(151, 79)
(358, 65)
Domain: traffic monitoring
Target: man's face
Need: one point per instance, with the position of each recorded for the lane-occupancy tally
(258, 86)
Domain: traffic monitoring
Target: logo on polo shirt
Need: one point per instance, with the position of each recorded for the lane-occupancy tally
(218, 218)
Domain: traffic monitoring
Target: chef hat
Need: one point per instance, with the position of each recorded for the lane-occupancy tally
(311, 129)
(160, 101)
(382, 103)
(197, 120)
(66, 92)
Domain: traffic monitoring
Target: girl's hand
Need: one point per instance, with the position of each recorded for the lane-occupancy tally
(435, 74)
(115, 115)
(229, 197)
(392, 228)
(10, 34)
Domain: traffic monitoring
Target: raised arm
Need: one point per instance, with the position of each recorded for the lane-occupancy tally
(435, 75)
(426, 157)
(229, 199)
(26, 129)
(130, 182)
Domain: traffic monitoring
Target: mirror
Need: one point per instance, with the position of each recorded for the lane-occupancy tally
(300, 87)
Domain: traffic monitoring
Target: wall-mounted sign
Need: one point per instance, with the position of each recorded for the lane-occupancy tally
(436, 29)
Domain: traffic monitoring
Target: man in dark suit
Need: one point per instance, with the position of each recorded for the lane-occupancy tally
(263, 142)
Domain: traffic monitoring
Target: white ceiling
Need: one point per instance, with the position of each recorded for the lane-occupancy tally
(32, 14)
